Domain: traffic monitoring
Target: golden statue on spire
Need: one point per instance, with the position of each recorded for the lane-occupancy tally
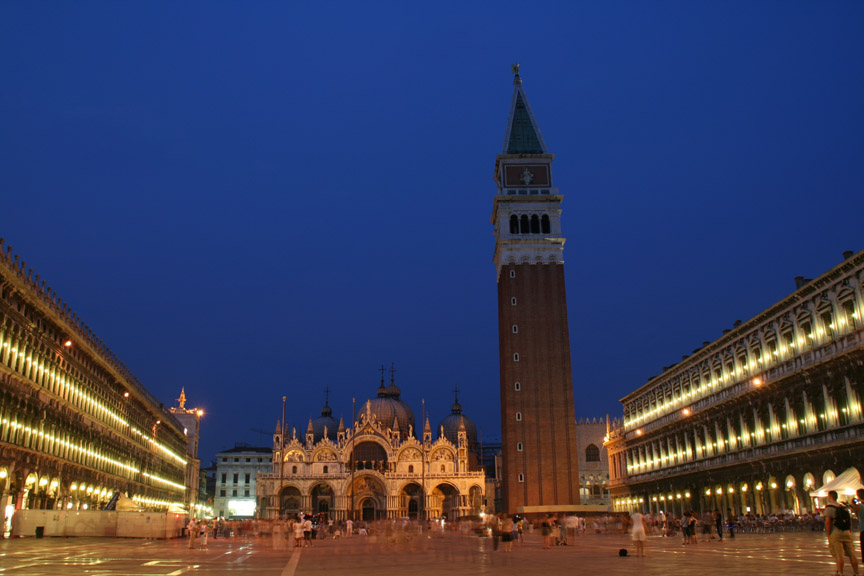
(182, 398)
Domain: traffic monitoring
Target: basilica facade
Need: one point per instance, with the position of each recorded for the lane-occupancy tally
(378, 468)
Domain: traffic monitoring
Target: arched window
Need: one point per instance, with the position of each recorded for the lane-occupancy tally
(849, 313)
(827, 318)
(535, 224)
(524, 225)
(544, 224)
(293, 470)
(410, 469)
(514, 224)
(592, 453)
(325, 469)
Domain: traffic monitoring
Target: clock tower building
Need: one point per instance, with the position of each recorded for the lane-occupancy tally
(538, 425)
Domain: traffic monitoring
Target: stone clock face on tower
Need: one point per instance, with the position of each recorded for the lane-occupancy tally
(526, 175)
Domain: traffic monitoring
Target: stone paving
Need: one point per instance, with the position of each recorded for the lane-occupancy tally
(791, 553)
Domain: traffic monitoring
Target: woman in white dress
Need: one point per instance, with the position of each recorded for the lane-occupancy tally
(637, 532)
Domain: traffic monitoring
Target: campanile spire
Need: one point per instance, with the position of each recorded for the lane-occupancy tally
(538, 425)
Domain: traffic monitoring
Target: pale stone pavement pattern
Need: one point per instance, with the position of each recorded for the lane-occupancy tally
(789, 553)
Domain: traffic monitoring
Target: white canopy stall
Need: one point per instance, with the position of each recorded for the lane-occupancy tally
(846, 484)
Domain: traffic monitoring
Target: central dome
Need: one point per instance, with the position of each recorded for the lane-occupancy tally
(387, 407)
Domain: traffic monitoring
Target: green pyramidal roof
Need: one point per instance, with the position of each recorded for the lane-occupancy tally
(523, 135)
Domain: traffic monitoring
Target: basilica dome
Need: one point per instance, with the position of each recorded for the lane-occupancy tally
(387, 407)
(450, 426)
(325, 422)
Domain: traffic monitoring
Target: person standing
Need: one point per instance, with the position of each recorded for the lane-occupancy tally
(730, 523)
(507, 533)
(298, 533)
(638, 532)
(349, 528)
(192, 530)
(718, 523)
(520, 530)
(202, 532)
(685, 527)
(307, 533)
(856, 507)
(546, 532)
(495, 525)
(838, 528)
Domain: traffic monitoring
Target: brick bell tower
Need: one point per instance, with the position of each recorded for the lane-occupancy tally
(538, 425)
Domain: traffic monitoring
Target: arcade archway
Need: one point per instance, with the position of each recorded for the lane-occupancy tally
(290, 502)
(321, 499)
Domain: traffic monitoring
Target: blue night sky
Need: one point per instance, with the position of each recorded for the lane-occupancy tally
(258, 199)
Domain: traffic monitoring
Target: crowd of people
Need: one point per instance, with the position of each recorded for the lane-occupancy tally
(836, 520)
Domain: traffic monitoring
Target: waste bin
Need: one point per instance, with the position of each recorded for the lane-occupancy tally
(40, 531)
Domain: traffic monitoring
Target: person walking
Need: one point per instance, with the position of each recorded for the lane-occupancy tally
(838, 528)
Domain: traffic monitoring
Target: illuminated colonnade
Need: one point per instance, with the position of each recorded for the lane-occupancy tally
(75, 424)
(749, 419)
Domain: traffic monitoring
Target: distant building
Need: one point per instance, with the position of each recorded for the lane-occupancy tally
(190, 418)
(757, 420)
(237, 472)
(76, 425)
(539, 457)
(377, 468)
(593, 461)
